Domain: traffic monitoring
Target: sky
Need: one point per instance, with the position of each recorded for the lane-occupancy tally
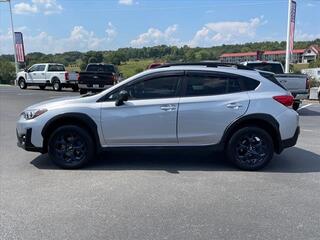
(56, 26)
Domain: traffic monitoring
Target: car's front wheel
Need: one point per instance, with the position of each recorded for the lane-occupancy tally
(22, 83)
(250, 148)
(70, 147)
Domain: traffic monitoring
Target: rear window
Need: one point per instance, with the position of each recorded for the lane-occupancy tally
(100, 68)
(268, 67)
(204, 85)
(272, 79)
(56, 68)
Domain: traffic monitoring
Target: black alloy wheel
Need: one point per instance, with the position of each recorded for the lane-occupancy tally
(70, 147)
(250, 148)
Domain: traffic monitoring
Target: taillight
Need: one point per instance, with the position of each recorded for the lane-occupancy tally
(307, 83)
(66, 75)
(286, 100)
(78, 76)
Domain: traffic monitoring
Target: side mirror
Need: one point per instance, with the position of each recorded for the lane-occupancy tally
(123, 96)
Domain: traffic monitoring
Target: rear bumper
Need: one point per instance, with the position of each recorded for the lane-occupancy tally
(290, 142)
(24, 141)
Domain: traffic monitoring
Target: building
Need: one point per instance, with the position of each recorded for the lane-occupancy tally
(299, 55)
(311, 53)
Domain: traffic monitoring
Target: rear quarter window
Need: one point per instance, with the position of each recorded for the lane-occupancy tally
(272, 78)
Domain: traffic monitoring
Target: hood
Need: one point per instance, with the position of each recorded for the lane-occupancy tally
(57, 102)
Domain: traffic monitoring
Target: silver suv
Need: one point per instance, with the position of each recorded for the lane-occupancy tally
(245, 113)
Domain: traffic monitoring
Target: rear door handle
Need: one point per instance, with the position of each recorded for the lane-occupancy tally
(234, 105)
(168, 107)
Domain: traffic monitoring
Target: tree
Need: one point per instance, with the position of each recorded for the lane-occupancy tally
(7, 72)
(315, 64)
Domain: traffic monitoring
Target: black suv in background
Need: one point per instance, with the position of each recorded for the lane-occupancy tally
(97, 77)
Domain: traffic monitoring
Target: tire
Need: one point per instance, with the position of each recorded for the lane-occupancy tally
(22, 83)
(56, 84)
(295, 106)
(250, 148)
(70, 147)
(42, 87)
(75, 88)
(83, 91)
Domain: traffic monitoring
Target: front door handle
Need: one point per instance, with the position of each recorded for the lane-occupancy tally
(168, 107)
(234, 105)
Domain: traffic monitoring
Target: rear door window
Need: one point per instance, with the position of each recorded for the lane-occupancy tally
(56, 68)
(204, 84)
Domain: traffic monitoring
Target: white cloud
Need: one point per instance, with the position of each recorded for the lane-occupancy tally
(79, 39)
(111, 32)
(302, 36)
(155, 36)
(126, 2)
(46, 7)
(24, 8)
(226, 32)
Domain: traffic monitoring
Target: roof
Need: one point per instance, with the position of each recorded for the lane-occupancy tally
(244, 54)
(280, 52)
(248, 54)
(315, 48)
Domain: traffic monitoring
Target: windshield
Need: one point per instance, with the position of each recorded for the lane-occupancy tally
(100, 68)
(269, 67)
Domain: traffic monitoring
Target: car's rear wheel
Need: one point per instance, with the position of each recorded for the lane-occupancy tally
(22, 83)
(56, 85)
(250, 148)
(70, 147)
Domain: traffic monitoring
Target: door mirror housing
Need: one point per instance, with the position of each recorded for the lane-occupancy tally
(123, 96)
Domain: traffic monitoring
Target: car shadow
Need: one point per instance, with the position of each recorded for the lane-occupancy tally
(294, 160)
(308, 112)
(48, 89)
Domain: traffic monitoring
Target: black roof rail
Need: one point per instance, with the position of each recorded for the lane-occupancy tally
(207, 64)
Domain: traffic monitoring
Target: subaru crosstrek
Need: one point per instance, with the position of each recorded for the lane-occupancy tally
(243, 112)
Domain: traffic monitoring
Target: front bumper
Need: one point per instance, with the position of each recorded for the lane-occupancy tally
(24, 141)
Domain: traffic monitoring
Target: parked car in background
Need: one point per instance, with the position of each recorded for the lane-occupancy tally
(297, 84)
(314, 73)
(207, 105)
(97, 77)
(46, 74)
(154, 65)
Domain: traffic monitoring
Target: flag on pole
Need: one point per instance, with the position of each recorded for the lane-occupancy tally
(19, 47)
(292, 24)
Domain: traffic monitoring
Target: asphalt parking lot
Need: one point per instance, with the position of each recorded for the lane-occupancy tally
(156, 194)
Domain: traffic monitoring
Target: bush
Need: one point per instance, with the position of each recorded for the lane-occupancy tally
(314, 83)
(7, 72)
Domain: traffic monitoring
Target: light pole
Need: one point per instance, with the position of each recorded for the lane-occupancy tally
(13, 35)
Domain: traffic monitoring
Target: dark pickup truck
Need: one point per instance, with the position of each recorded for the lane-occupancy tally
(97, 77)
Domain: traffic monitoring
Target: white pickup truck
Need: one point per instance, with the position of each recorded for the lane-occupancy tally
(297, 84)
(46, 74)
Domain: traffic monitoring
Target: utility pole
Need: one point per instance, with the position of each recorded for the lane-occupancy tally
(288, 39)
(13, 35)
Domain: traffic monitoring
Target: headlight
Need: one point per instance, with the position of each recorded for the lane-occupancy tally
(31, 114)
